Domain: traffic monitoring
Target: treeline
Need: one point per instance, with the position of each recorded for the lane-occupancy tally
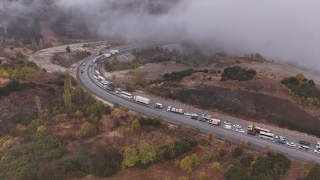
(274, 166)
(237, 73)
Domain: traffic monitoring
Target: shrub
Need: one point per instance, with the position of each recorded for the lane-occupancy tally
(208, 156)
(177, 163)
(246, 161)
(235, 171)
(236, 152)
(216, 166)
(203, 176)
(237, 73)
(194, 160)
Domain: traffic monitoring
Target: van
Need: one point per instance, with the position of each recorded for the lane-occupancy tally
(83, 64)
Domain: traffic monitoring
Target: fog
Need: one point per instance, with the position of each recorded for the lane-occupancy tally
(279, 30)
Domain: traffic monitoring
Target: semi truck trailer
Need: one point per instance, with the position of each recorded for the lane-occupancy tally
(141, 99)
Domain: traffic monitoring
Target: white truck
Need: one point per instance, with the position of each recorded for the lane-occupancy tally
(97, 73)
(141, 99)
(175, 110)
(214, 121)
(107, 55)
(115, 51)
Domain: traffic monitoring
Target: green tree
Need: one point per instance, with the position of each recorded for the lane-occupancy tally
(194, 160)
(300, 76)
(235, 172)
(135, 125)
(308, 102)
(130, 157)
(97, 109)
(203, 176)
(186, 164)
(68, 49)
(77, 95)
(176, 163)
(312, 82)
(147, 153)
(216, 166)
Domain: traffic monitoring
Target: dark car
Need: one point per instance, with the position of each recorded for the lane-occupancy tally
(194, 116)
(304, 143)
(251, 133)
(280, 141)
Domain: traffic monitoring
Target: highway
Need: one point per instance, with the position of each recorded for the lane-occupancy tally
(257, 143)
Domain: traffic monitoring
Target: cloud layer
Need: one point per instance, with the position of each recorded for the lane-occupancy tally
(279, 30)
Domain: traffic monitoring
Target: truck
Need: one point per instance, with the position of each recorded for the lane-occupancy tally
(141, 99)
(107, 55)
(158, 105)
(97, 73)
(257, 129)
(206, 117)
(215, 121)
(114, 51)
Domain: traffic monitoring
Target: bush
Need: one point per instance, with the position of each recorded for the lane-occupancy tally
(235, 171)
(208, 156)
(216, 166)
(313, 173)
(236, 152)
(246, 161)
(237, 73)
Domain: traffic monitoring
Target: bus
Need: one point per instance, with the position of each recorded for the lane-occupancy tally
(125, 94)
(269, 136)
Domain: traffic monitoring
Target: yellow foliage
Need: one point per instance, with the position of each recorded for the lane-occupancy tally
(216, 166)
(21, 127)
(186, 164)
(41, 128)
(183, 178)
(7, 144)
(79, 113)
(5, 74)
(300, 76)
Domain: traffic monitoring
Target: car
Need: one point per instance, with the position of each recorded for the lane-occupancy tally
(280, 141)
(280, 137)
(240, 130)
(317, 151)
(237, 126)
(304, 143)
(227, 126)
(251, 133)
(194, 116)
(81, 71)
(227, 122)
(90, 65)
(289, 143)
(169, 108)
(304, 147)
(83, 64)
(187, 114)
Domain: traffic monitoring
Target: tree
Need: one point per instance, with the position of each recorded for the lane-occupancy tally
(194, 160)
(203, 176)
(68, 50)
(176, 163)
(308, 102)
(42, 128)
(135, 125)
(130, 157)
(113, 76)
(186, 164)
(147, 153)
(210, 137)
(300, 77)
(77, 95)
(216, 166)
(66, 96)
(79, 113)
(235, 171)
(87, 130)
(312, 82)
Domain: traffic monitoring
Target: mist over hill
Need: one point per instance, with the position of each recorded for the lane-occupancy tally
(279, 30)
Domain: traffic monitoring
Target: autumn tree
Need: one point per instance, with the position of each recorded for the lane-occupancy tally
(147, 153)
(130, 157)
(77, 95)
(203, 176)
(135, 125)
(113, 76)
(216, 166)
(87, 130)
(300, 76)
(186, 164)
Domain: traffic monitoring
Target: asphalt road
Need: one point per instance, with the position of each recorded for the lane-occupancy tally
(257, 143)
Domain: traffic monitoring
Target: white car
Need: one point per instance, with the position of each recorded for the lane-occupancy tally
(281, 137)
(240, 130)
(227, 127)
(237, 126)
(227, 122)
(317, 151)
(187, 114)
(289, 143)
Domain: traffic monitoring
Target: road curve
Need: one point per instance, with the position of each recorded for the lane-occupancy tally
(87, 82)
